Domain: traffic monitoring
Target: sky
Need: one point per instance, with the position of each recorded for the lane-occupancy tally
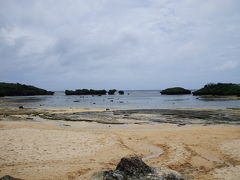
(122, 44)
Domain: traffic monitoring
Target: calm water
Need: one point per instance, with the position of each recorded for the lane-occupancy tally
(135, 99)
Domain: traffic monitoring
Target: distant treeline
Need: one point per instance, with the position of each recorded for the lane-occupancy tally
(16, 89)
(92, 92)
(219, 89)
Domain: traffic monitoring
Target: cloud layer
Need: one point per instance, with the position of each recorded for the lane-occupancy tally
(150, 44)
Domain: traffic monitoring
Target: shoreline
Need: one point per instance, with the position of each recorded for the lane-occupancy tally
(180, 116)
(59, 149)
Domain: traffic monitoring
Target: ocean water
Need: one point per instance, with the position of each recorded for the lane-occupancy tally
(140, 99)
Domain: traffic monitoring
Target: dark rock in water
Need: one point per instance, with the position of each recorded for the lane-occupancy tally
(121, 92)
(107, 109)
(76, 101)
(134, 166)
(135, 169)
(20, 107)
(7, 177)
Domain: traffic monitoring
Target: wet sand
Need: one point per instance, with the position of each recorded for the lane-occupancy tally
(56, 149)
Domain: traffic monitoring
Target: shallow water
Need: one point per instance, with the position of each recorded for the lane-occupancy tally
(131, 100)
(155, 152)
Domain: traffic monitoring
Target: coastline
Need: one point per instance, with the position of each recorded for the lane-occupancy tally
(33, 147)
(218, 97)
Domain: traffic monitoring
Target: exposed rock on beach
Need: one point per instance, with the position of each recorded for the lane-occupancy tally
(138, 116)
(134, 168)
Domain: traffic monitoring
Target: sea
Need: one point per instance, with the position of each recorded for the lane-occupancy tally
(132, 99)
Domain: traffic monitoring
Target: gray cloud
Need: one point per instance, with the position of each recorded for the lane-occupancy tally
(150, 44)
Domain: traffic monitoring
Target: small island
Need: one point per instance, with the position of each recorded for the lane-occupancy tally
(93, 92)
(85, 92)
(121, 92)
(16, 89)
(219, 89)
(175, 91)
(112, 91)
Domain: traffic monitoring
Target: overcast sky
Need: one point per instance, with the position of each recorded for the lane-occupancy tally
(123, 44)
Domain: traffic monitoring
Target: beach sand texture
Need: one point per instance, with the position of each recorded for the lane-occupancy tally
(80, 150)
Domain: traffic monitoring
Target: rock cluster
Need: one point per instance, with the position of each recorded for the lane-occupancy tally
(92, 92)
(86, 92)
(135, 169)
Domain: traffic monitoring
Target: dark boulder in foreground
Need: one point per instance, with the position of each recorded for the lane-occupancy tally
(134, 166)
(121, 92)
(16, 89)
(7, 177)
(175, 91)
(112, 91)
(135, 169)
(219, 89)
(86, 92)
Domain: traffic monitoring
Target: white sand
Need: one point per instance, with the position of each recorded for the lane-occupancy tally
(38, 150)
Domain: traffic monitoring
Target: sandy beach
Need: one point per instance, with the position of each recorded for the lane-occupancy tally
(119, 90)
(56, 149)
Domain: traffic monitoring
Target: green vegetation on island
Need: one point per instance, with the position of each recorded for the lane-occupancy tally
(92, 92)
(175, 91)
(112, 91)
(85, 92)
(219, 89)
(16, 89)
(121, 92)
